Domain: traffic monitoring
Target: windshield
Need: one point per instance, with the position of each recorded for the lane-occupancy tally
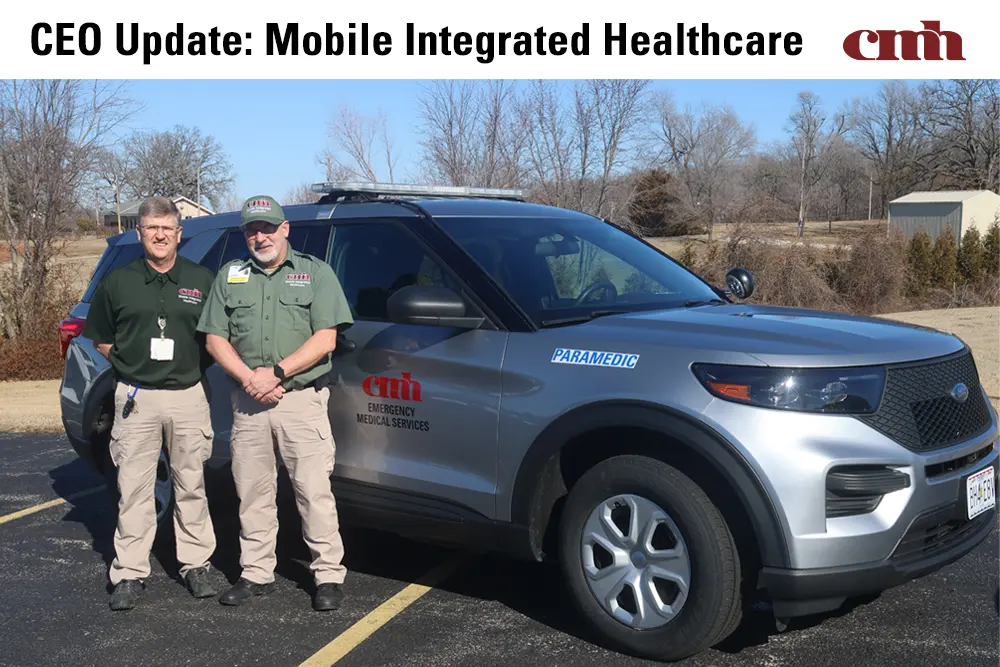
(558, 268)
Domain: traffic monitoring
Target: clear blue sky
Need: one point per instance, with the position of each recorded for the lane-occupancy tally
(274, 130)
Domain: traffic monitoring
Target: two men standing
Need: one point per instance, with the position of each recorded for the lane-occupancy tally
(271, 322)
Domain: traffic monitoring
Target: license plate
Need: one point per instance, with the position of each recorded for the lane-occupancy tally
(980, 493)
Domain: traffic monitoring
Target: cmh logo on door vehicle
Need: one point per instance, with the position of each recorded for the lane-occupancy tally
(404, 388)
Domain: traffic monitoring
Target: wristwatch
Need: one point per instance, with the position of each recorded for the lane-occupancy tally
(279, 372)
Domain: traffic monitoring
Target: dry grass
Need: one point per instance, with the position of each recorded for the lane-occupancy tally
(75, 246)
(780, 232)
(30, 407)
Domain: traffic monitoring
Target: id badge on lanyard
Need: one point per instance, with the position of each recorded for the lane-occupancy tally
(162, 348)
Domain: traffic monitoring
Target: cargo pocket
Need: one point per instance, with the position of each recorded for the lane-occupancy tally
(206, 448)
(115, 448)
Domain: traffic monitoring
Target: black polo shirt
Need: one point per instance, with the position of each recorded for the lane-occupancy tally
(124, 312)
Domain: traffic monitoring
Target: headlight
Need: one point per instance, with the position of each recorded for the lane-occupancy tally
(826, 390)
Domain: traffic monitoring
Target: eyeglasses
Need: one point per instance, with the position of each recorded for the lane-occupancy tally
(156, 229)
(265, 229)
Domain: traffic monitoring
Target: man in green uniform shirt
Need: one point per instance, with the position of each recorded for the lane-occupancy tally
(143, 319)
(272, 323)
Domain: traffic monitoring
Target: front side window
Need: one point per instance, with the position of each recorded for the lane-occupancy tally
(373, 260)
(570, 266)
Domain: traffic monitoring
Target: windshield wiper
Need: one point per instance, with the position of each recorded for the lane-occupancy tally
(702, 302)
(594, 314)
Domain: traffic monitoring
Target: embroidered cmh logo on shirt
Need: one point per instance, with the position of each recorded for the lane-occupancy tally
(192, 296)
(298, 279)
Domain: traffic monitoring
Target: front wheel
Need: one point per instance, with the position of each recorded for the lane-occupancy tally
(649, 560)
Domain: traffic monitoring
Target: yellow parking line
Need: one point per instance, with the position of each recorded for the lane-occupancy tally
(381, 615)
(52, 503)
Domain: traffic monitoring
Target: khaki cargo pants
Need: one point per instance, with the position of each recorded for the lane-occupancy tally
(300, 427)
(180, 420)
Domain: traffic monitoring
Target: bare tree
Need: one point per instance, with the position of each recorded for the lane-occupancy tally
(114, 170)
(887, 130)
(301, 194)
(180, 161)
(51, 134)
(963, 119)
(812, 138)
(472, 133)
(705, 149)
(578, 153)
(365, 141)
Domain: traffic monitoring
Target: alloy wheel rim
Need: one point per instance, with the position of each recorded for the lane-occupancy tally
(635, 561)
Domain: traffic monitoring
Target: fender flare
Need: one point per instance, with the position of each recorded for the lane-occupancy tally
(727, 461)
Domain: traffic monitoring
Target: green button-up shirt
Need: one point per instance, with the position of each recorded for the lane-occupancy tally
(268, 316)
(124, 312)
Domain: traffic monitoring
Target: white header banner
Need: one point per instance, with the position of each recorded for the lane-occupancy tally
(514, 39)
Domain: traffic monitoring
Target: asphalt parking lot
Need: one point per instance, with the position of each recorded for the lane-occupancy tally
(484, 611)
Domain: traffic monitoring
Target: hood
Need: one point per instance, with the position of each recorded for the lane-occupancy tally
(779, 336)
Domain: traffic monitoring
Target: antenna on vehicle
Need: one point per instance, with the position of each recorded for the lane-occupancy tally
(365, 191)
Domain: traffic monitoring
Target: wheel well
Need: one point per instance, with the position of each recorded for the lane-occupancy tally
(584, 451)
(100, 434)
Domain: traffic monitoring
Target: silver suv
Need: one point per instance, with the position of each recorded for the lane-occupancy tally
(537, 382)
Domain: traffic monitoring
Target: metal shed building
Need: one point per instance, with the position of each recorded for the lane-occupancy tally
(934, 212)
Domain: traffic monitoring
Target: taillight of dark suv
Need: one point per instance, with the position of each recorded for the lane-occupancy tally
(69, 329)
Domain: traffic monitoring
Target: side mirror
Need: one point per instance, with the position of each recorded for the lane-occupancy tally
(344, 345)
(739, 283)
(426, 304)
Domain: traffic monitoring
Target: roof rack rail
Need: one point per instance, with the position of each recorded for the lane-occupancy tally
(333, 191)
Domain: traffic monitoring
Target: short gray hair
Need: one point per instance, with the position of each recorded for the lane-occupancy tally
(158, 207)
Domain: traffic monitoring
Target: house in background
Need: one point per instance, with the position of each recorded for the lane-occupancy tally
(933, 212)
(130, 212)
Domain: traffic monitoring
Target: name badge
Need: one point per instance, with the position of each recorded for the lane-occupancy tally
(161, 349)
(238, 275)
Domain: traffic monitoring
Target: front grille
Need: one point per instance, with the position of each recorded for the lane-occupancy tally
(945, 467)
(917, 409)
(935, 532)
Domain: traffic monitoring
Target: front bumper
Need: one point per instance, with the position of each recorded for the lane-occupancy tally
(935, 538)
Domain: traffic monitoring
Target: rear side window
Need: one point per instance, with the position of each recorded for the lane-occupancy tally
(236, 247)
(211, 259)
(310, 239)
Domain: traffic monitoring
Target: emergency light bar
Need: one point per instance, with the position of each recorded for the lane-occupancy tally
(346, 188)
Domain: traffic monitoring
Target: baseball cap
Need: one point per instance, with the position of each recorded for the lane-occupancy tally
(262, 208)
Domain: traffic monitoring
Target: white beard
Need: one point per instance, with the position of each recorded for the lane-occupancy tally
(265, 256)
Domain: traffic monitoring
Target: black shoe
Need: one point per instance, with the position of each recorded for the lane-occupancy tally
(243, 590)
(201, 583)
(126, 594)
(327, 597)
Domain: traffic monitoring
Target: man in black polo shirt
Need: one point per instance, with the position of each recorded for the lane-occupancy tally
(143, 318)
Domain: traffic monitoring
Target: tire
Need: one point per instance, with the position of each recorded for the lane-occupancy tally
(689, 523)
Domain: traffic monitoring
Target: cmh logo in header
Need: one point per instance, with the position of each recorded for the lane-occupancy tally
(931, 43)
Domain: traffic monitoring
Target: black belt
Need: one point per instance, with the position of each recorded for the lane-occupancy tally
(311, 385)
(173, 387)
